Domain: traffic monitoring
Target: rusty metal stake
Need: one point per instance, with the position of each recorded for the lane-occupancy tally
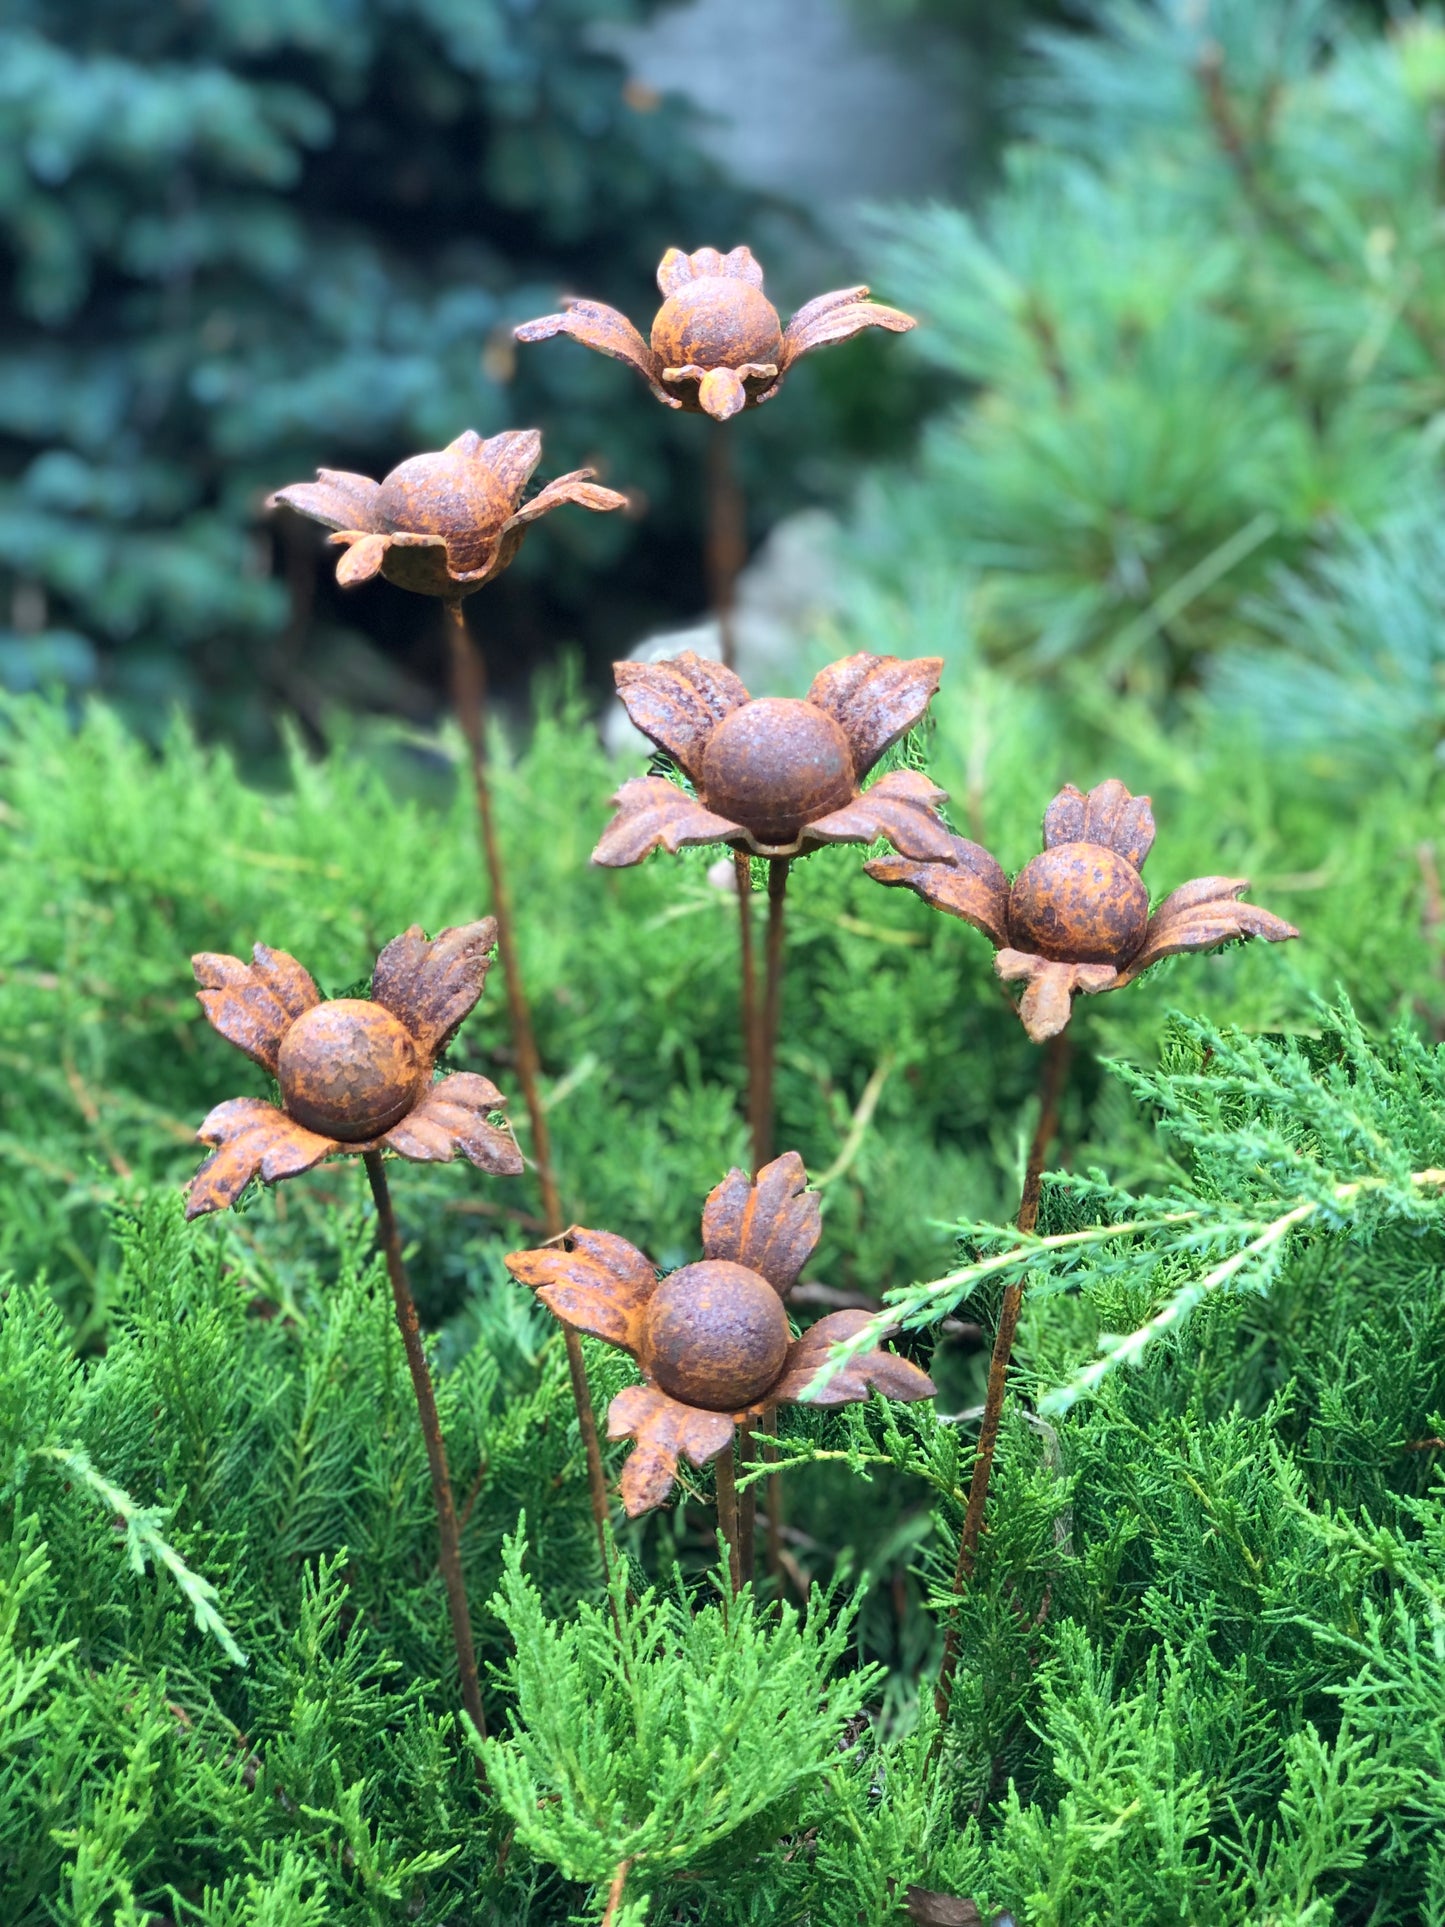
(469, 698)
(727, 1515)
(778, 868)
(448, 1532)
(726, 540)
(1055, 1071)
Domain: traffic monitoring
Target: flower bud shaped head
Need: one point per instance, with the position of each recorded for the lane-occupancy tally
(717, 345)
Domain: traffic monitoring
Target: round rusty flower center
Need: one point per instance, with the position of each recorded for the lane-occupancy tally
(775, 765)
(1079, 903)
(720, 322)
(717, 1335)
(443, 494)
(349, 1070)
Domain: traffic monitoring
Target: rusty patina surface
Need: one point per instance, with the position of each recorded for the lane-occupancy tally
(776, 775)
(444, 523)
(355, 1073)
(712, 1340)
(1076, 919)
(717, 344)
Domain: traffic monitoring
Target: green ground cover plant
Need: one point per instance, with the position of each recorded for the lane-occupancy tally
(1200, 1655)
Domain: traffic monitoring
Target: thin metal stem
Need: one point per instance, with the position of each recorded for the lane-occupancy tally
(469, 698)
(1055, 1071)
(778, 868)
(751, 1013)
(727, 1515)
(448, 1532)
(725, 543)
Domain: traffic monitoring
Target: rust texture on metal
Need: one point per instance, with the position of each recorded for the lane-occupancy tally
(712, 1340)
(776, 775)
(1076, 919)
(444, 523)
(717, 345)
(356, 1073)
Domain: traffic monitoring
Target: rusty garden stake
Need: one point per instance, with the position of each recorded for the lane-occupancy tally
(448, 1531)
(1075, 919)
(711, 1340)
(469, 698)
(356, 1076)
(774, 777)
(444, 524)
(1055, 1072)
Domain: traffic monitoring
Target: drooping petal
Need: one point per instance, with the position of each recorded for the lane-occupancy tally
(722, 394)
(876, 700)
(577, 487)
(601, 1285)
(770, 1223)
(835, 317)
(1050, 988)
(665, 1430)
(1201, 914)
(903, 806)
(1108, 815)
(870, 1371)
(253, 1005)
(253, 1138)
(676, 268)
(432, 985)
(452, 1117)
(512, 456)
(973, 886)
(679, 702)
(336, 499)
(362, 557)
(655, 814)
(597, 326)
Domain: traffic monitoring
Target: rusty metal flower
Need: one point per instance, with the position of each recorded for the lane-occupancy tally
(1076, 918)
(713, 1339)
(772, 774)
(717, 344)
(355, 1073)
(445, 523)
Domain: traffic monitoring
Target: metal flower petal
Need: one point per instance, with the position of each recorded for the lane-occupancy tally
(665, 1430)
(253, 1138)
(876, 699)
(770, 1223)
(511, 456)
(973, 886)
(337, 499)
(838, 317)
(1050, 988)
(364, 556)
(452, 1117)
(655, 814)
(596, 1282)
(873, 1370)
(679, 702)
(578, 487)
(677, 268)
(432, 984)
(902, 806)
(1201, 914)
(597, 326)
(253, 1005)
(1109, 816)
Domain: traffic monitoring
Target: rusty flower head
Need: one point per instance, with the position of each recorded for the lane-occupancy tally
(772, 774)
(712, 1340)
(355, 1073)
(717, 344)
(1076, 918)
(440, 524)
